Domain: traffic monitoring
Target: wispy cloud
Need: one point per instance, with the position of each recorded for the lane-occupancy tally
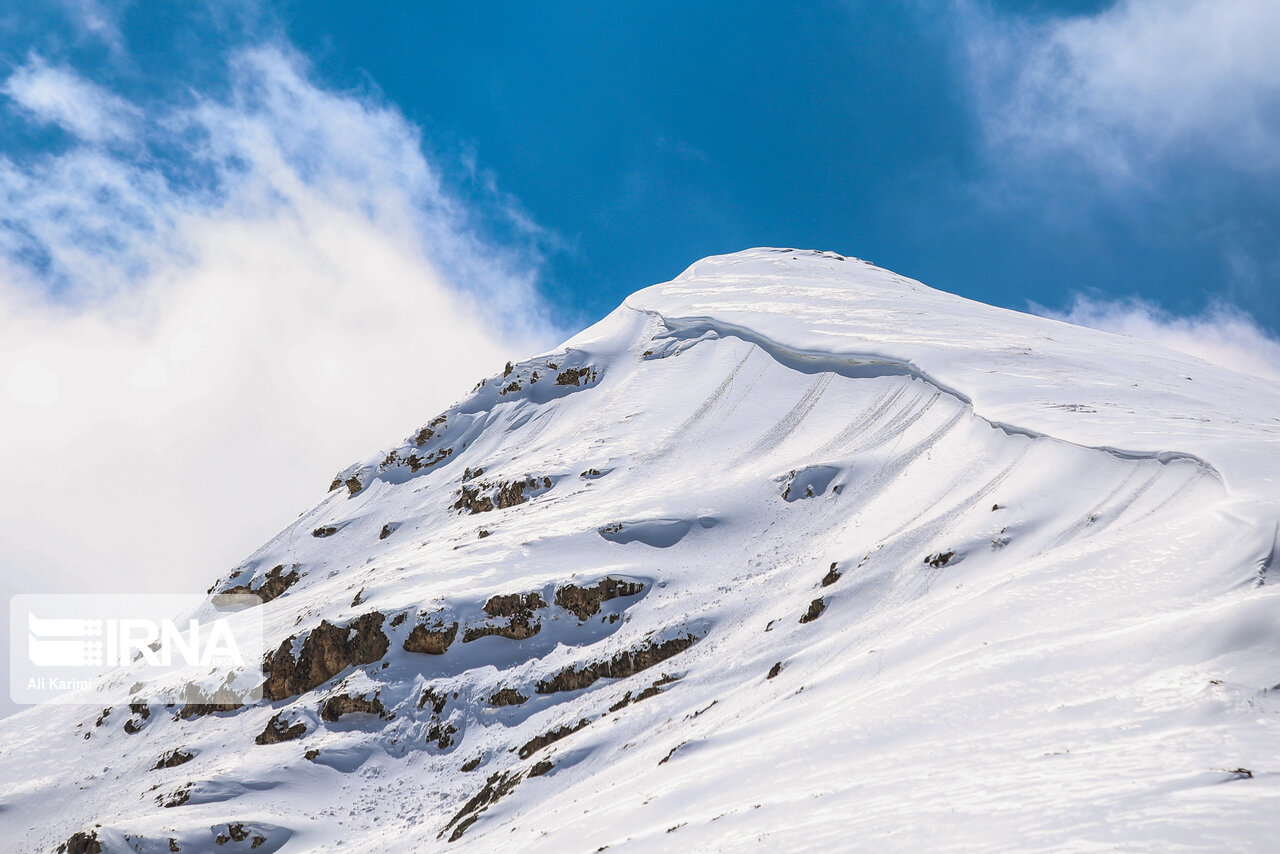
(191, 344)
(59, 96)
(1137, 82)
(1223, 335)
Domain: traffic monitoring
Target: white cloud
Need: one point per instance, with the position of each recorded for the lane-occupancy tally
(1224, 335)
(1139, 81)
(59, 96)
(227, 335)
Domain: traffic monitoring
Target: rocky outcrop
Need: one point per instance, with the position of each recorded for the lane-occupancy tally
(518, 608)
(485, 496)
(326, 651)
(584, 602)
(576, 376)
(173, 759)
(346, 704)
(279, 730)
(507, 697)
(81, 842)
(431, 639)
(538, 742)
(623, 664)
(498, 786)
(274, 583)
(816, 607)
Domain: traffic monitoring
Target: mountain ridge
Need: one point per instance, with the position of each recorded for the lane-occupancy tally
(733, 569)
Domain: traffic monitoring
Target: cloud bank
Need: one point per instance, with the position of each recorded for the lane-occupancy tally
(1224, 335)
(205, 312)
(1138, 82)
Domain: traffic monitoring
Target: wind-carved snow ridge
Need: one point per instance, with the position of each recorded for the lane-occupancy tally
(685, 331)
(787, 552)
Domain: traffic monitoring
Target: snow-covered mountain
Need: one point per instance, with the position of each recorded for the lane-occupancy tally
(788, 554)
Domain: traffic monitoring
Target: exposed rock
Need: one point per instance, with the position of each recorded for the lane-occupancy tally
(518, 608)
(576, 376)
(431, 640)
(541, 767)
(278, 730)
(327, 650)
(417, 463)
(81, 842)
(775, 670)
(386, 531)
(345, 704)
(436, 699)
(274, 583)
(538, 742)
(426, 433)
(173, 759)
(499, 785)
(198, 704)
(485, 496)
(177, 797)
(325, 531)
(514, 604)
(353, 485)
(472, 765)
(442, 734)
(832, 576)
(941, 559)
(620, 666)
(584, 602)
(234, 833)
(519, 627)
(816, 607)
(507, 697)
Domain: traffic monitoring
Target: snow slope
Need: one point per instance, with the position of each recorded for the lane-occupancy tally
(888, 570)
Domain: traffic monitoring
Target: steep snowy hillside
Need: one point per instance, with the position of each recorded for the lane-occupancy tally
(790, 553)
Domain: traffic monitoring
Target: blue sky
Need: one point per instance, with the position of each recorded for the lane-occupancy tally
(244, 243)
(615, 143)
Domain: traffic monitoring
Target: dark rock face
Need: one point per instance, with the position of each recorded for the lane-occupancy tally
(538, 742)
(576, 376)
(584, 602)
(518, 608)
(277, 731)
(832, 576)
(507, 697)
(173, 759)
(816, 607)
(775, 670)
(353, 485)
(485, 496)
(939, 560)
(426, 433)
(327, 650)
(417, 463)
(274, 583)
(498, 786)
(431, 640)
(620, 666)
(514, 604)
(81, 842)
(345, 704)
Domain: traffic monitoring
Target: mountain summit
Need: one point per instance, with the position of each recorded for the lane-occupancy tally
(789, 553)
